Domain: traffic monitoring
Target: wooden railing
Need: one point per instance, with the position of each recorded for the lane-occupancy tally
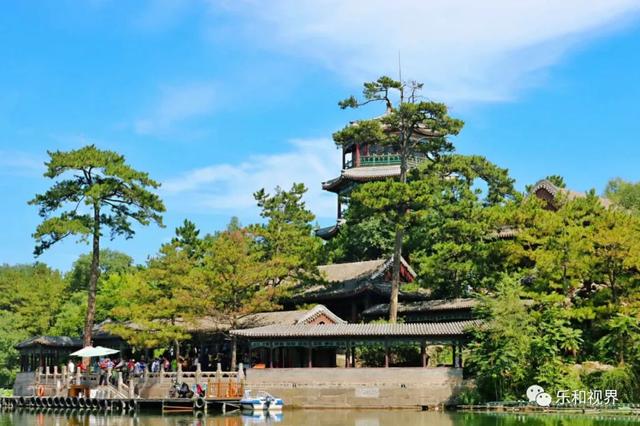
(382, 160)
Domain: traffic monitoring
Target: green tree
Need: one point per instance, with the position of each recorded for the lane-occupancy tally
(500, 350)
(30, 299)
(157, 305)
(70, 318)
(416, 129)
(554, 343)
(555, 248)
(97, 189)
(188, 238)
(360, 238)
(448, 242)
(238, 281)
(617, 251)
(624, 194)
(111, 261)
(622, 336)
(10, 335)
(286, 241)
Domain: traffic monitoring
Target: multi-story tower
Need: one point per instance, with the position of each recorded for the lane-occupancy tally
(364, 162)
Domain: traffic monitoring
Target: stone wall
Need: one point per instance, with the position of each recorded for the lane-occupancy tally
(323, 387)
(358, 387)
(24, 384)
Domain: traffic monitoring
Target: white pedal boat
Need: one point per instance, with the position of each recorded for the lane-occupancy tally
(261, 401)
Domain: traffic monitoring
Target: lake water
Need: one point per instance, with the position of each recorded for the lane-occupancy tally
(316, 418)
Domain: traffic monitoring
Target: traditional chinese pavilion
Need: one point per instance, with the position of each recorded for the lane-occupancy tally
(348, 289)
(365, 162)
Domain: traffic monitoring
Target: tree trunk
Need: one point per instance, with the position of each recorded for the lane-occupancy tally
(177, 349)
(93, 278)
(234, 351)
(397, 248)
(614, 291)
(622, 346)
(395, 276)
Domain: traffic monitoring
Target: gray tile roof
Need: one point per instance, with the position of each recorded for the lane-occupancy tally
(339, 272)
(276, 318)
(455, 328)
(328, 231)
(347, 279)
(436, 305)
(362, 174)
(367, 269)
(570, 194)
(351, 288)
(51, 341)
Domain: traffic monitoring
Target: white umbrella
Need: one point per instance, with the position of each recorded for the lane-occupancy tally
(91, 352)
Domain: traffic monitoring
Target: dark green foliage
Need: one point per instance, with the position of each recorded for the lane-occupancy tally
(622, 378)
(400, 355)
(363, 238)
(188, 239)
(499, 355)
(286, 241)
(111, 261)
(94, 178)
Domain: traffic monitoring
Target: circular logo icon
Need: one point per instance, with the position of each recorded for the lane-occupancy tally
(543, 399)
(533, 391)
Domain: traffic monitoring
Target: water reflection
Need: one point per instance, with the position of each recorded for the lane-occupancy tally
(312, 418)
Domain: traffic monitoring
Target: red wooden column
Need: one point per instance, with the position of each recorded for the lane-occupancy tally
(309, 356)
(356, 163)
(423, 354)
(270, 357)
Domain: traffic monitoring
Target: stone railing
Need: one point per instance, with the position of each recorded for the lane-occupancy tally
(223, 384)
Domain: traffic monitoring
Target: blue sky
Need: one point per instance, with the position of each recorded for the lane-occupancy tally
(216, 99)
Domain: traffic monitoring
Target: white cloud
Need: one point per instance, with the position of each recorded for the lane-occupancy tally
(463, 50)
(176, 105)
(228, 188)
(158, 15)
(17, 163)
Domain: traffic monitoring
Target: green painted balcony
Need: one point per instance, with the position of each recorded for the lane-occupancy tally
(382, 160)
